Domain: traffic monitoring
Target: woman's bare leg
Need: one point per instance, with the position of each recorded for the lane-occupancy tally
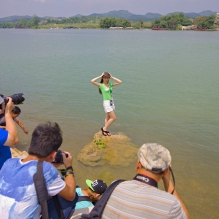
(106, 119)
(111, 116)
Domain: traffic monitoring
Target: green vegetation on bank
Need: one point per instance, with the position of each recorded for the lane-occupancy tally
(71, 22)
(6, 25)
(205, 22)
(176, 21)
(33, 23)
(114, 22)
(173, 22)
(69, 26)
(22, 23)
(142, 25)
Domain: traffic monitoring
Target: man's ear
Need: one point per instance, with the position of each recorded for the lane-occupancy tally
(52, 155)
(97, 195)
(138, 165)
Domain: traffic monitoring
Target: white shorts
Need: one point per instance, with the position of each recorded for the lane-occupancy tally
(108, 106)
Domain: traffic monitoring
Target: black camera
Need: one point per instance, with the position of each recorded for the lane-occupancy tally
(16, 98)
(58, 158)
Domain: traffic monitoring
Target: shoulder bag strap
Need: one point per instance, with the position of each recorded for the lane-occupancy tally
(41, 189)
(97, 211)
(83, 198)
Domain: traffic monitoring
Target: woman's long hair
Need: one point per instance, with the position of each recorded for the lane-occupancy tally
(107, 74)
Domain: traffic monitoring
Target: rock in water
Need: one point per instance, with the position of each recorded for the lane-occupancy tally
(114, 150)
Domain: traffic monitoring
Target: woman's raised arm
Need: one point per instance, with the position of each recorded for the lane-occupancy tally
(118, 81)
(93, 81)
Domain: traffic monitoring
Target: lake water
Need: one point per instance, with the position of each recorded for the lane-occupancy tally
(169, 95)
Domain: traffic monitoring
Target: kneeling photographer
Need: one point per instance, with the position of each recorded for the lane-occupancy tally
(14, 114)
(9, 136)
(20, 198)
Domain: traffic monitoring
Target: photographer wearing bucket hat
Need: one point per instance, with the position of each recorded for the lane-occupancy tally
(141, 197)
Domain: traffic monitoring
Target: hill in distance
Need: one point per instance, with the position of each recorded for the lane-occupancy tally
(15, 18)
(124, 14)
(128, 15)
(194, 14)
(148, 16)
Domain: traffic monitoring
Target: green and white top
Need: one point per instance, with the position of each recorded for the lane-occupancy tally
(107, 91)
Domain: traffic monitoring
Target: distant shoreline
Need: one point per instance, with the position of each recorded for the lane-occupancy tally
(175, 21)
(80, 28)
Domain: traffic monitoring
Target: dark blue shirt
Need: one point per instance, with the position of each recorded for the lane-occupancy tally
(5, 151)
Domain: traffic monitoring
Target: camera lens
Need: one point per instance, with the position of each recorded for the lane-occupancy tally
(17, 98)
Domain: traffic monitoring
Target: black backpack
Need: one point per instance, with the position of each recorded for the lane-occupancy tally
(42, 193)
(97, 211)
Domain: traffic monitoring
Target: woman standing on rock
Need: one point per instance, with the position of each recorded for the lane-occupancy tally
(105, 88)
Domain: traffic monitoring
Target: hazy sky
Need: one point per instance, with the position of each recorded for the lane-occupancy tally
(67, 8)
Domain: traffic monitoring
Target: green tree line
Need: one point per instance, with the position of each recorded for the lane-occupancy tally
(114, 22)
(6, 25)
(175, 21)
(203, 22)
(23, 23)
(172, 21)
(72, 20)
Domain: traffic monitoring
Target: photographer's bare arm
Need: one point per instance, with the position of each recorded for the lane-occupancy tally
(168, 185)
(10, 125)
(22, 126)
(69, 191)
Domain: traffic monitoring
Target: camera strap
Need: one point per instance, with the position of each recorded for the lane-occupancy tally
(152, 182)
(146, 180)
(171, 170)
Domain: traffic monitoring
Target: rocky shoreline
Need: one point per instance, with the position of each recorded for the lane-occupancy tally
(17, 153)
(114, 150)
